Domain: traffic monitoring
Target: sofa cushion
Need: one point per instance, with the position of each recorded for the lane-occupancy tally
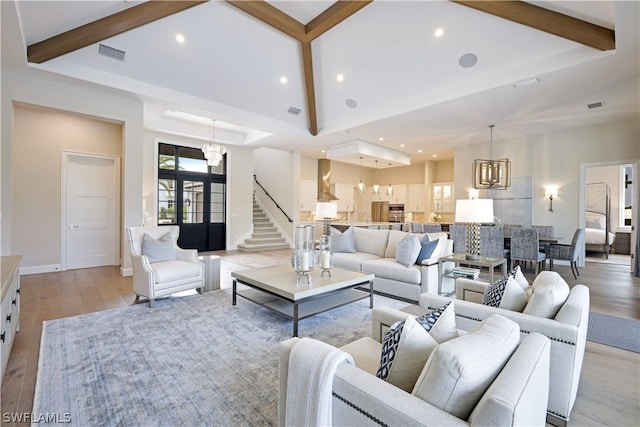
(505, 293)
(392, 242)
(516, 273)
(408, 250)
(371, 241)
(427, 247)
(550, 291)
(388, 268)
(406, 346)
(343, 241)
(366, 353)
(440, 323)
(461, 370)
(162, 249)
(168, 271)
(351, 261)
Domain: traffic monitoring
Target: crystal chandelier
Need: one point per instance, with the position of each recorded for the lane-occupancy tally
(213, 152)
(361, 184)
(491, 174)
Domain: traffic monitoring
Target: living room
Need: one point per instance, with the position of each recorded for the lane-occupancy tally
(45, 112)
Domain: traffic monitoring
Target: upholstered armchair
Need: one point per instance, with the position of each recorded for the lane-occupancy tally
(569, 253)
(160, 267)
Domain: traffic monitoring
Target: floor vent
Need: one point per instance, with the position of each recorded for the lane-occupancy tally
(111, 52)
(293, 110)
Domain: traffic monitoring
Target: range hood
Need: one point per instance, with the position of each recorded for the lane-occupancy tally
(324, 181)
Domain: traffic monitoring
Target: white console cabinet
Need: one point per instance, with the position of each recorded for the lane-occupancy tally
(10, 308)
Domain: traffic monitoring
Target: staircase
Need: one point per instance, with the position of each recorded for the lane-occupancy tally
(265, 236)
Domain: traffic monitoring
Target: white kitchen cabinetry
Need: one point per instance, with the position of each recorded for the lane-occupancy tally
(10, 308)
(399, 196)
(344, 193)
(415, 198)
(308, 195)
(443, 197)
(381, 196)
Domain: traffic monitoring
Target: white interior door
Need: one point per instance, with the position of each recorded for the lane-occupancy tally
(90, 217)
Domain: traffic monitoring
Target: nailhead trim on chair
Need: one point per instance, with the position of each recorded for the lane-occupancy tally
(357, 408)
(521, 330)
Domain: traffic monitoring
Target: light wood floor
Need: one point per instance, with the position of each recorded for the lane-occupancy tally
(609, 391)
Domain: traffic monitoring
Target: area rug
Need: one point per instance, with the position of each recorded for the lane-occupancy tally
(614, 331)
(194, 360)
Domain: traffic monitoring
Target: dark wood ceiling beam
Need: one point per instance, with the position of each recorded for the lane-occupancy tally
(104, 28)
(307, 63)
(546, 20)
(272, 16)
(332, 16)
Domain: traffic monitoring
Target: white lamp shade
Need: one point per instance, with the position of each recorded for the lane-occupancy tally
(474, 210)
(326, 210)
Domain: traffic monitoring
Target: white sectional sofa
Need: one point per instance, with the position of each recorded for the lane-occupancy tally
(375, 252)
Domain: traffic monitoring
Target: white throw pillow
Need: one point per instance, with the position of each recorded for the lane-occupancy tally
(406, 346)
(440, 323)
(516, 273)
(408, 250)
(506, 293)
(343, 241)
(459, 371)
(159, 250)
(441, 249)
(550, 292)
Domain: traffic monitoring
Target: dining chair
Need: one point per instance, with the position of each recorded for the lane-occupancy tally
(525, 246)
(431, 228)
(506, 230)
(417, 227)
(544, 231)
(457, 233)
(492, 241)
(557, 251)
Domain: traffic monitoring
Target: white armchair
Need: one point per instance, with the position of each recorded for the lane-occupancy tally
(165, 277)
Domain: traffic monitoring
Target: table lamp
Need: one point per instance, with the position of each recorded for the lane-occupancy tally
(473, 212)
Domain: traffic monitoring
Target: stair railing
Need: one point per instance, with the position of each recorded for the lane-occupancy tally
(269, 196)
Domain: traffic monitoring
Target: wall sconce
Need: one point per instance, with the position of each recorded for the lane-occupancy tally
(474, 194)
(551, 192)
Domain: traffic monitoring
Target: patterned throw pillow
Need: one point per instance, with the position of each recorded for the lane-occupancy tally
(159, 250)
(506, 293)
(343, 242)
(440, 323)
(408, 250)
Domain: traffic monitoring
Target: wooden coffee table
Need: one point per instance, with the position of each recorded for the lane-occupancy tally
(276, 288)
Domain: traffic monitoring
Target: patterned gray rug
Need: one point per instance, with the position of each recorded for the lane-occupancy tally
(614, 331)
(194, 360)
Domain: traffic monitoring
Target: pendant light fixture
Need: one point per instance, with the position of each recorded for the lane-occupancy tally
(491, 174)
(361, 184)
(376, 187)
(389, 188)
(213, 152)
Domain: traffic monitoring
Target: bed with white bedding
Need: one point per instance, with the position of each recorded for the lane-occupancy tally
(598, 235)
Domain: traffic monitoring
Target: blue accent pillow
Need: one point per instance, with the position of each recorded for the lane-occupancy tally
(343, 242)
(428, 246)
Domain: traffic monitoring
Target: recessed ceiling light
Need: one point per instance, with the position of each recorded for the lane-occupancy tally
(468, 60)
(283, 80)
(180, 38)
(439, 32)
(339, 77)
(402, 145)
(381, 139)
(434, 155)
(323, 151)
(419, 151)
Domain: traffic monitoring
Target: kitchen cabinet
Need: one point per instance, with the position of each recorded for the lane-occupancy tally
(380, 197)
(308, 195)
(443, 197)
(10, 307)
(399, 196)
(415, 198)
(344, 193)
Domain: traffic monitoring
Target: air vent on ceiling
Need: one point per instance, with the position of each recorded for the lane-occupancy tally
(293, 110)
(595, 105)
(111, 52)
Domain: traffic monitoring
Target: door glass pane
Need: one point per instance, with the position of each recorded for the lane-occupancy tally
(166, 201)
(219, 170)
(166, 157)
(217, 202)
(192, 202)
(192, 160)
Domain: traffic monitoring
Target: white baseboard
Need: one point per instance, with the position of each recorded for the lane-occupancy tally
(36, 269)
(125, 272)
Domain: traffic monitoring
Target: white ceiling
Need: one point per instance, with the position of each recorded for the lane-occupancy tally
(408, 85)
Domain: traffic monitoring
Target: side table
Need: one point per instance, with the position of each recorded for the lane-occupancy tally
(458, 259)
(211, 272)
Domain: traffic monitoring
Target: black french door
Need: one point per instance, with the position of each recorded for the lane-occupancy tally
(188, 186)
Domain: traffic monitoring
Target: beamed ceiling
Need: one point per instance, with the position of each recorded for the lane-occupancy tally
(404, 88)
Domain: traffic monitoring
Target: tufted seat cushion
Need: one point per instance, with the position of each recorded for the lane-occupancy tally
(352, 261)
(388, 268)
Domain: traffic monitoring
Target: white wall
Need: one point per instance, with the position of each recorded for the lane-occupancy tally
(554, 159)
(82, 99)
